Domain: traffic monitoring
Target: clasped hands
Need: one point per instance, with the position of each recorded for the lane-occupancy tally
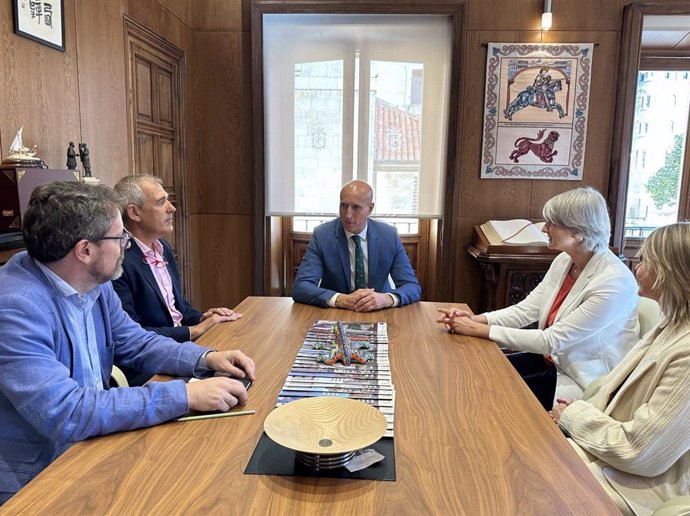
(364, 300)
(221, 393)
(464, 322)
(556, 412)
(210, 318)
(222, 314)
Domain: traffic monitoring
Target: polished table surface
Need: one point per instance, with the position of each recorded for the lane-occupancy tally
(469, 438)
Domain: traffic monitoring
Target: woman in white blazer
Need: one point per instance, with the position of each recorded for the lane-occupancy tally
(634, 433)
(585, 307)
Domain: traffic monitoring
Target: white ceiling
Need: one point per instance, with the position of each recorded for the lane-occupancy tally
(666, 32)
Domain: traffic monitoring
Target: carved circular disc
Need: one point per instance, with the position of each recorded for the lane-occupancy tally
(325, 425)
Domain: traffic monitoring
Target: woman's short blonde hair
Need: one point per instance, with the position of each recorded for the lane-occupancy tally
(583, 211)
(667, 252)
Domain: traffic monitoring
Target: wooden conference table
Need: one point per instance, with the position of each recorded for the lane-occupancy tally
(469, 438)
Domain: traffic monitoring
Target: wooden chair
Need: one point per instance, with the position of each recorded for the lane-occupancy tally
(648, 314)
(117, 378)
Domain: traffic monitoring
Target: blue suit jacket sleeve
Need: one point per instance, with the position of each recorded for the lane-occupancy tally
(325, 269)
(143, 301)
(307, 286)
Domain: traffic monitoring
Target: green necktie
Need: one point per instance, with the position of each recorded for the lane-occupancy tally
(359, 263)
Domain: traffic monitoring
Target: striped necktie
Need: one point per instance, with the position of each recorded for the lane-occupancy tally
(359, 263)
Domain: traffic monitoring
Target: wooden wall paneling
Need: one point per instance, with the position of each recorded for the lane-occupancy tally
(526, 15)
(221, 15)
(39, 90)
(158, 18)
(298, 243)
(468, 276)
(102, 87)
(484, 197)
(432, 271)
(423, 257)
(222, 123)
(219, 124)
(275, 237)
(223, 244)
(182, 9)
(600, 119)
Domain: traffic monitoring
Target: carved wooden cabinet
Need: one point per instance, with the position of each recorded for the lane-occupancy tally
(509, 272)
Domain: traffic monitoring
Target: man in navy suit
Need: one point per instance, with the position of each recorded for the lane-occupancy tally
(150, 288)
(353, 273)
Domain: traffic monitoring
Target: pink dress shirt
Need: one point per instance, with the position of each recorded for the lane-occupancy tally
(154, 258)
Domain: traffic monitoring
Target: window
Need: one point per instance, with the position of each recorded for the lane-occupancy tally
(355, 97)
(656, 175)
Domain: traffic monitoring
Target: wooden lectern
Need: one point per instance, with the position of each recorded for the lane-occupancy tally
(509, 272)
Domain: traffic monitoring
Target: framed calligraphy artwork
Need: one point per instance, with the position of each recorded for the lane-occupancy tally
(40, 20)
(535, 110)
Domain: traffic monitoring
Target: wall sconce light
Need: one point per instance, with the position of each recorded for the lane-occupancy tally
(547, 16)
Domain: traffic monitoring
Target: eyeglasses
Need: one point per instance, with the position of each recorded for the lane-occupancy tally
(124, 238)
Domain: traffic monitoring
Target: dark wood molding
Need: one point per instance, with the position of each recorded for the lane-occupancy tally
(447, 238)
(672, 60)
(261, 228)
(624, 119)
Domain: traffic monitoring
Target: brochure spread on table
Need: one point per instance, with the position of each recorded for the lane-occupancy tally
(347, 359)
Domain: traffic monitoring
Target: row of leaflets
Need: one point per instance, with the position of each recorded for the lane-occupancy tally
(321, 367)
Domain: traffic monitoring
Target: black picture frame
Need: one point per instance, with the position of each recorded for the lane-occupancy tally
(40, 20)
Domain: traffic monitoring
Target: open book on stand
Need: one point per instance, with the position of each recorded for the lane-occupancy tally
(514, 232)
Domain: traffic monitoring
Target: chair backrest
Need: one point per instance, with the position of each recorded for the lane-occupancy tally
(117, 378)
(649, 313)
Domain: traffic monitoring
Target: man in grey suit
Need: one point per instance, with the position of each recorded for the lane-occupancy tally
(349, 260)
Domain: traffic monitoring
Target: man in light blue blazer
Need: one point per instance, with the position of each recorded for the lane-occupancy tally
(353, 273)
(61, 328)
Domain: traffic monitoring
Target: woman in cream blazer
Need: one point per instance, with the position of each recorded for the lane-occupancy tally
(596, 323)
(634, 433)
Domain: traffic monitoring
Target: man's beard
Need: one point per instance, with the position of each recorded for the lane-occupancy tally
(118, 271)
(101, 277)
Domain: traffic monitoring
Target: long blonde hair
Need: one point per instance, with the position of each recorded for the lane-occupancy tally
(667, 252)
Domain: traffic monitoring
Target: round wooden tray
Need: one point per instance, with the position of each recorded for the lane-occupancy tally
(325, 425)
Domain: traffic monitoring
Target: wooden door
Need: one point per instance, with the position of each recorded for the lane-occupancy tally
(155, 99)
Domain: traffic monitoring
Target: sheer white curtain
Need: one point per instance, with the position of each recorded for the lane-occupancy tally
(355, 96)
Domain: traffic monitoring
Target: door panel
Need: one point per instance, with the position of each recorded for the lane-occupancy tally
(143, 90)
(166, 159)
(165, 98)
(145, 154)
(155, 71)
